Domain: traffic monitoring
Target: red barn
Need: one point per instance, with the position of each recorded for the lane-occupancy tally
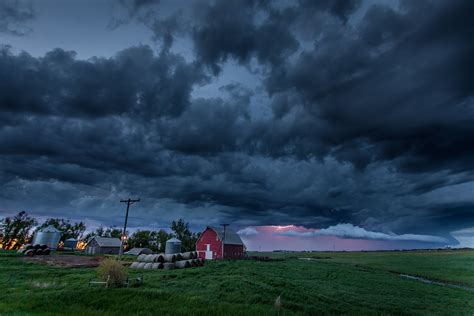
(209, 244)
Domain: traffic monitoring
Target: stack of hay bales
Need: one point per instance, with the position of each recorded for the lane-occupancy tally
(168, 261)
(34, 250)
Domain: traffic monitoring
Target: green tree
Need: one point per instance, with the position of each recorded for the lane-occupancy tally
(162, 237)
(68, 229)
(16, 230)
(155, 240)
(143, 239)
(181, 231)
(112, 232)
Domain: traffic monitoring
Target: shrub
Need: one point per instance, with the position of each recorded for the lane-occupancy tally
(114, 269)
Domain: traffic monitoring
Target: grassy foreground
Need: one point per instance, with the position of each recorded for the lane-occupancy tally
(333, 283)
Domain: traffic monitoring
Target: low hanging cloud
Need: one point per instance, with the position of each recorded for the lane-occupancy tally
(248, 231)
(355, 232)
(465, 237)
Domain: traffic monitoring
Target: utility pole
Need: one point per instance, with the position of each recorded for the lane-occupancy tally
(223, 239)
(129, 202)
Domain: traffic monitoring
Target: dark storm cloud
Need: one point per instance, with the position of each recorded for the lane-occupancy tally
(394, 84)
(340, 8)
(400, 86)
(232, 29)
(134, 9)
(135, 81)
(15, 16)
(358, 116)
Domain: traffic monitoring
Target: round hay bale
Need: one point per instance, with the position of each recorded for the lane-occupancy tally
(160, 258)
(179, 256)
(44, 247)
(148, 265)
(30, 252)
(182, 264)
(134, 265)
(46, 251)
(196, 255)
(157, 265)
(150, 258)
(39, 252)
(168, 266)
(197, 262)
(141, 258)
(186, 255)
(21, 251)
(36, 247)
(141, 265)
(170, 258)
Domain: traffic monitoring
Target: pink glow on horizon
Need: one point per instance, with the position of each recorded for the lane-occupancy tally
(269, 239)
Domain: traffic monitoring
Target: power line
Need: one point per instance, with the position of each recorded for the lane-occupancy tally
(223, 239)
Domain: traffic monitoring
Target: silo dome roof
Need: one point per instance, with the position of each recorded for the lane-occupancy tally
(173, 240)
(50, 229)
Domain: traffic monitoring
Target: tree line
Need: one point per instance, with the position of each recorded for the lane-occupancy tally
(20, 229)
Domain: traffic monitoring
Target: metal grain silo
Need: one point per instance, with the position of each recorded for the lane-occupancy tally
(173, 245)
(48, 236)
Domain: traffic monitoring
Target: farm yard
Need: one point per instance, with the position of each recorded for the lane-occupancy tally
(297, 283)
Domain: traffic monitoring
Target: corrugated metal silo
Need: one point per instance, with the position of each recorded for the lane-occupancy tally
(48, 236)
(173, 245)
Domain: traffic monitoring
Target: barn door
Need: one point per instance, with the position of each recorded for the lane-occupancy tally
(208, 252)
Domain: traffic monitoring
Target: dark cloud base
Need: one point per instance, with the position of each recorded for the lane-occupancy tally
(370, 118)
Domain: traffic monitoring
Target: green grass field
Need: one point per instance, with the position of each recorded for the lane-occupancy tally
(332, 283)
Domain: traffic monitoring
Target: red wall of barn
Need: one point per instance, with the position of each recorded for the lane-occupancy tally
(210, 237)
(233, 251)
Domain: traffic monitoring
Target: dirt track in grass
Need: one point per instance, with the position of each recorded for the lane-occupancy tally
(72, 261)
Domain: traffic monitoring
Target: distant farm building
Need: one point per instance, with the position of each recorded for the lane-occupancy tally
(139, 251)
(70, 243)
(48, 236)
(103, 245)
(209, 244)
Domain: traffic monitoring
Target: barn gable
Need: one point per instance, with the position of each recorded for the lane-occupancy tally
(231, 237)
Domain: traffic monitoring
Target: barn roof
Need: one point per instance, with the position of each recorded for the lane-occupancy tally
(106, 241)
(231, 237)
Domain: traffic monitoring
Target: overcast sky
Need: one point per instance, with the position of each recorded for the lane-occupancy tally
(304, 124)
